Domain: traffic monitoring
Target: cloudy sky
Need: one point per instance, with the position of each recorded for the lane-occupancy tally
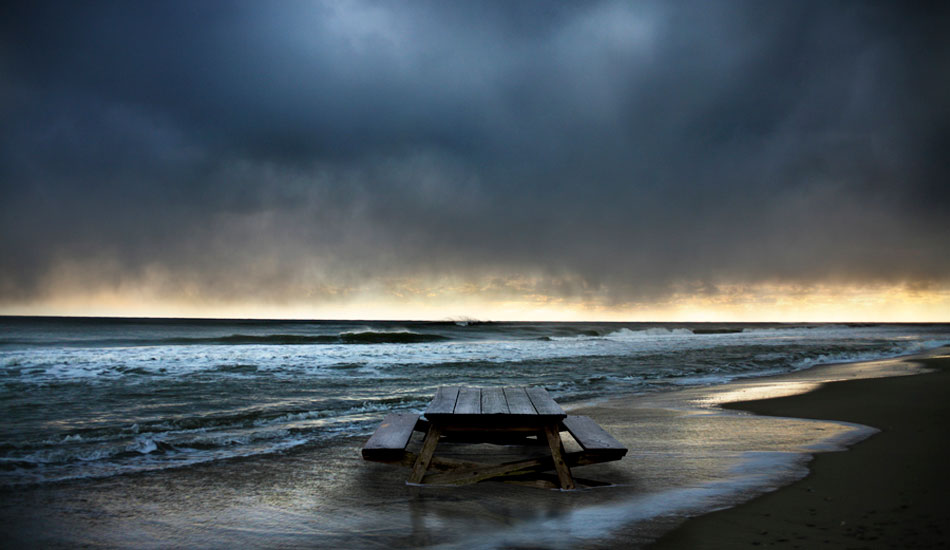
(429, 159)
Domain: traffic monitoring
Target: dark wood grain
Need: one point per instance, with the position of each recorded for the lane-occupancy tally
(493, 401)
(392, 435)
(557, 456)
(543, 403)
(590, 435)
(444, 401)
(491, 415)
(425, 454)
(469, 401)
(519, 402)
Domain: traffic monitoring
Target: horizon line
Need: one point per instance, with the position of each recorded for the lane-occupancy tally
(451, 320)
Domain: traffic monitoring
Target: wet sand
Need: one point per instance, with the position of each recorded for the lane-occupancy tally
(889, 491)
(687, 456)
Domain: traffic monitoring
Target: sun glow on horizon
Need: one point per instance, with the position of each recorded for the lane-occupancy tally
(761, 303)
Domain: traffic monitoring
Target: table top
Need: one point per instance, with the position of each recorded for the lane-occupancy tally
(458, 403)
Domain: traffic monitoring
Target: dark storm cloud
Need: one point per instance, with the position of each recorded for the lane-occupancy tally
(607, 149)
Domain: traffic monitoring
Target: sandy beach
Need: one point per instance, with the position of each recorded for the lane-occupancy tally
(688, 456)
(889, 491)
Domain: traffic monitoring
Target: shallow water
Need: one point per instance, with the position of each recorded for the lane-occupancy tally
(686, 456)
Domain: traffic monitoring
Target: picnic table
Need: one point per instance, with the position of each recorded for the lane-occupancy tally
(499, 415)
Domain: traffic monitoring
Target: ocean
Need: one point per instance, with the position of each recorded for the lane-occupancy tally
(101, 398)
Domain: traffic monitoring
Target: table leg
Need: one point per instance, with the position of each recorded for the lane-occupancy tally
(553, 435)
(425, 455)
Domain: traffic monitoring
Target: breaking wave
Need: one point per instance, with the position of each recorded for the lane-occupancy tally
(353, 337)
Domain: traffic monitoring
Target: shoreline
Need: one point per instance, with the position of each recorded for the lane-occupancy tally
(886, 491)
(685, 446)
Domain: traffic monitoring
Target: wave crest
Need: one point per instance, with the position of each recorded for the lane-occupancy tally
(352, 337)
(395, 337)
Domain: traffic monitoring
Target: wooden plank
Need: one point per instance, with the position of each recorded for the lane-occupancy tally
(557, 454)
(543, 403)
(493, 401)
(425, 454)
(444, 401)
(497, 436)
(590, 435)
(519, 402)
(469, 401)
(392, 434)
(492, 424)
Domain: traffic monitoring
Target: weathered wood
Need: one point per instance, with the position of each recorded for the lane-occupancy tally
(557, 454)
(493, 401)
(392, 436)
(469, 402)
(495, 415)
(493, 423)
(499, 436)
(425, 454)
(518, 402)
(591, 436)
(543, 403)
(444, 401)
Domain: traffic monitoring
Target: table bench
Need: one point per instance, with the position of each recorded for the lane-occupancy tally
(490, 415)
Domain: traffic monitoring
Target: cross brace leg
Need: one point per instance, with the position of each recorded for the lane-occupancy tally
(425, 454)
(557, 454)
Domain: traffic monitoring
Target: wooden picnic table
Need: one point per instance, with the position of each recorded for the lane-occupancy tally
(491, 415)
